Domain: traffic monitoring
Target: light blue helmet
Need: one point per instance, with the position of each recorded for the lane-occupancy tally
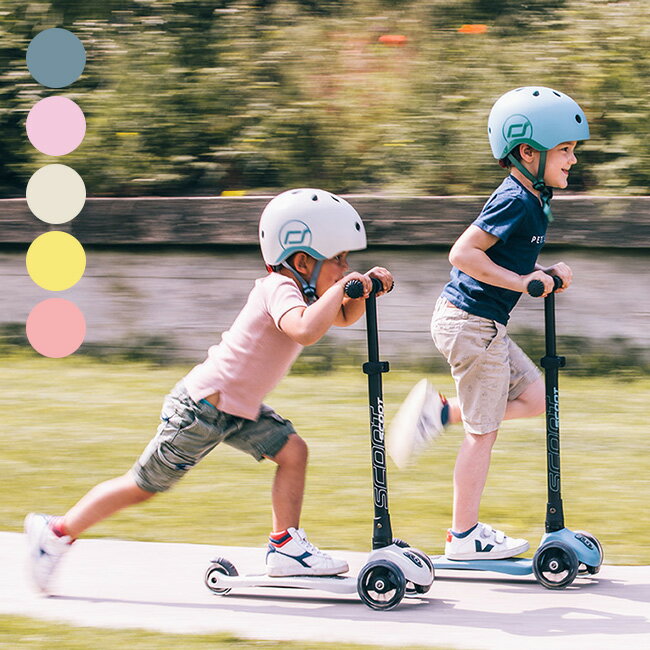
(534, 115)
(538, 116)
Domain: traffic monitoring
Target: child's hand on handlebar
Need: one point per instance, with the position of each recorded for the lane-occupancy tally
(364, 279)
(542, 277)
(384, 276)
(562, 271)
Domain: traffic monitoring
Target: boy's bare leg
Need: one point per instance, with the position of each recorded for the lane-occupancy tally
(473, 460)
(289, 483)
(470, 474)
(530, 403)
(102, 501)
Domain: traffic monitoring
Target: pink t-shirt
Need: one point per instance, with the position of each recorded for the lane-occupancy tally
(254, 354)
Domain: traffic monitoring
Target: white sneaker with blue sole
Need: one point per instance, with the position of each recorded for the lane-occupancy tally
(418, 422)
(293, 555)
(46, 549)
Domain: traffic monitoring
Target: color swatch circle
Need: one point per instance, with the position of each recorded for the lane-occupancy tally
(56, 126)
(56, 328)
(56, 58)
(56, 261)
(56, 193)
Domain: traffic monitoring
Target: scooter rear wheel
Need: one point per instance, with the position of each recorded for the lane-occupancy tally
(219, 567)
(381, 584)
(555, 565)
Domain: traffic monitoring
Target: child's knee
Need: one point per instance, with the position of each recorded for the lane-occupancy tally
(294, 452)
(483, 440)
(535, 398)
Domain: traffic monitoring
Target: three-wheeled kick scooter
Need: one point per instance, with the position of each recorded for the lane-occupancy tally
(562, 554)
(393, 569)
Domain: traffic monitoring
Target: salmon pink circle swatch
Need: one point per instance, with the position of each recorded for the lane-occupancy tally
(56, 126)
(56, 328)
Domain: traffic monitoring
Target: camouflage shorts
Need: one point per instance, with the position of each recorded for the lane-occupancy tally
(188, 431)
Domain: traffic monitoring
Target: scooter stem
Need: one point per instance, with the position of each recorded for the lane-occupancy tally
(382, 533)
(551, 363)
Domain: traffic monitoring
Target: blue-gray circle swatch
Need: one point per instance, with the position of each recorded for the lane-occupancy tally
(56, 58)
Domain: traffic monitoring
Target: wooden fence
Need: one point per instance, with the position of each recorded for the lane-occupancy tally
(583, 221)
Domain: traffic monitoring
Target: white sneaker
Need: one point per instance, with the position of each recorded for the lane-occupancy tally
(417, 424)
(294, 555)
(483, 543)
(45, 549)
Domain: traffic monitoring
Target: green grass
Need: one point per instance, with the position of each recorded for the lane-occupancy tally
(18, 632)
(73, 422)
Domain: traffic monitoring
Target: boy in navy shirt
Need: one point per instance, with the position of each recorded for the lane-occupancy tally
(533, 132)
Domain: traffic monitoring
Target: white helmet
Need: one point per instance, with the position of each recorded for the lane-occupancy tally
(313, 221)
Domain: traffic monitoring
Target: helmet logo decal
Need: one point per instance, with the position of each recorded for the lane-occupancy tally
(294, 233)
(517, 126)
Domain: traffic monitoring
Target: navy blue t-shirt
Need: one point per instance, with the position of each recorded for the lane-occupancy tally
(515, 216)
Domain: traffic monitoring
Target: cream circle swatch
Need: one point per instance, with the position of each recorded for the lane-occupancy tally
(56, 261)
(56, 193)
(56, 126)
(56, 328)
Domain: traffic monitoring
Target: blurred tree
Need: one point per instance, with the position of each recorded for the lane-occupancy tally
(198, 96)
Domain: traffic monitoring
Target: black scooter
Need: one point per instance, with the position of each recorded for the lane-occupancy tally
(393, 569)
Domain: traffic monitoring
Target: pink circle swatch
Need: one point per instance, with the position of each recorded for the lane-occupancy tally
(56, 126)
(56, 328)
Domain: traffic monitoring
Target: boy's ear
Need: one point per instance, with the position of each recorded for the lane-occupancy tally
(301, 262)
(526, 152)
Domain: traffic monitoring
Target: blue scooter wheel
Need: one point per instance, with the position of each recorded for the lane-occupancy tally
(555, 565)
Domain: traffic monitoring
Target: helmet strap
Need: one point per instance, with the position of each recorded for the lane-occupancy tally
(545, 192)
(308, 288)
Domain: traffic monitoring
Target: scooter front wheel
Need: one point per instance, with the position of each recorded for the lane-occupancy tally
(414, 590)
(219, 567)
(555, 565)
(586, 569)
(381, 584)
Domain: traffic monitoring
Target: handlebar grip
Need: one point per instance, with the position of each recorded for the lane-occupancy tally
(354, 288)
(535, 288)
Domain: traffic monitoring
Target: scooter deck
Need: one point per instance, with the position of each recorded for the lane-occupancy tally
(513, 566)
(334, 584)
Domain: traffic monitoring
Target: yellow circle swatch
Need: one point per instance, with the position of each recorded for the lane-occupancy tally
(56, 261)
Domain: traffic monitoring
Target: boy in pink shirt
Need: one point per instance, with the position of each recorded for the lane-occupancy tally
(305, 236)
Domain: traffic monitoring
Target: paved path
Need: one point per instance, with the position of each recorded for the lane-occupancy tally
(108, 583)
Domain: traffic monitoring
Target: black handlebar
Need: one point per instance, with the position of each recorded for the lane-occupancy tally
(535, 288)
(354, 288)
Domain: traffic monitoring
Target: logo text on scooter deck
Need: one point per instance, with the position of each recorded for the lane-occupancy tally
(378, 453)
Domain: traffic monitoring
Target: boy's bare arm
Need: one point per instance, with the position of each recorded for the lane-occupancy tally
(468, 254)
(306, 325)
(352, 310)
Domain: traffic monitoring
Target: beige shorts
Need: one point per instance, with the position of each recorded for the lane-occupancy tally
(488, 367)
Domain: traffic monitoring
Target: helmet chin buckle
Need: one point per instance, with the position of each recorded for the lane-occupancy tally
(310, 292)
